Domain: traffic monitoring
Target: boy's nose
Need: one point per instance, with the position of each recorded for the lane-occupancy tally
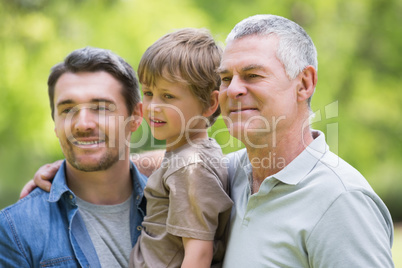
(155, 105)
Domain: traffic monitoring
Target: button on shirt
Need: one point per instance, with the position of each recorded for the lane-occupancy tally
(316, 212)
(46, 230)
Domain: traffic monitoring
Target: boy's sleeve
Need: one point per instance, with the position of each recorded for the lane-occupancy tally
(198, 203)
(10, 252)
(355, 231)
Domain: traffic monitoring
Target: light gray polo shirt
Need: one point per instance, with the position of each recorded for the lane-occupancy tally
(316, 212)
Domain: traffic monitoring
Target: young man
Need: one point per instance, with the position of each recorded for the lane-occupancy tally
(93, 213)
(296, 204)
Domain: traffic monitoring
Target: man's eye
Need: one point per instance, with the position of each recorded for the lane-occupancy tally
(102, 108)
(66, 110)
(225, 79)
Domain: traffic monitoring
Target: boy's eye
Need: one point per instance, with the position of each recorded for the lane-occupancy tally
(147, 93)
(168, 96)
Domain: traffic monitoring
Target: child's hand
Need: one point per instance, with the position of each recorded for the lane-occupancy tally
(42, 178)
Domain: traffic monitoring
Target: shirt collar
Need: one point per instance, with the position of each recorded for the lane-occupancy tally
(59, 184)
(296, 170)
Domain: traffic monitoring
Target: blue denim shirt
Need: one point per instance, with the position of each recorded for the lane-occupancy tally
(46, 230)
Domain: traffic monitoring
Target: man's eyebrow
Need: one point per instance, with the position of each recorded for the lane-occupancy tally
(222, 70)
(251, 67)
(64, 102)
(96, 100)
(102, 100)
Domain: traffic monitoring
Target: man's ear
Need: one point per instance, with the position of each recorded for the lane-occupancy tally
(308, 81)
(137, 117)
(214, 104)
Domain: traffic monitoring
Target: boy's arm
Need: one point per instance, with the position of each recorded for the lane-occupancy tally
(197, 253)
(42, 178)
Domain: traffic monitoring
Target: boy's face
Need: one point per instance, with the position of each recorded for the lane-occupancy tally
(91, 120)
(173, 113)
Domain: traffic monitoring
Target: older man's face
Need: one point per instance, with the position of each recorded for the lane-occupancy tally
(256, 96)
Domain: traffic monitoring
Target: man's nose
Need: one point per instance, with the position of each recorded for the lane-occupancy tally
(85, 119)
(236, 88)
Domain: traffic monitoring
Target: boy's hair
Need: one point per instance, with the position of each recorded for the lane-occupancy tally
(188, 56)
(91, 59)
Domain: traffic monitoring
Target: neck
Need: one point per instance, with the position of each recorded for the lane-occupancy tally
(279, 150)
(106, 187)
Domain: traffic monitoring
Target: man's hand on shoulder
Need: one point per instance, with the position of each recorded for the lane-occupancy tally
(42, 178)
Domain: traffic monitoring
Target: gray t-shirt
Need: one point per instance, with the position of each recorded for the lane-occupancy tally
(109, 229)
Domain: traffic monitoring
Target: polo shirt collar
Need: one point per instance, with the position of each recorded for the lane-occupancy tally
(296, 170)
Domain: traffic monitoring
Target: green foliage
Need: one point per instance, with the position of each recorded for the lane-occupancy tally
(358, 97)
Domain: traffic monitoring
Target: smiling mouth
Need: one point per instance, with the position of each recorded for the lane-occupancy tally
(156, 121)
(86, 143)
(242, 110)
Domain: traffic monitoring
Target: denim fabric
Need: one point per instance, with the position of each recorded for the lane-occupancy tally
(46, 230)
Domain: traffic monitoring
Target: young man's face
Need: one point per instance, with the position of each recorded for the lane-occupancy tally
(173, 112)
(91, 120)
(256, 96)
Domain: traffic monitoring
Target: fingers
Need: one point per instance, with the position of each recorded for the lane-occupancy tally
(45, 174)
(42, 178)
(27, 188)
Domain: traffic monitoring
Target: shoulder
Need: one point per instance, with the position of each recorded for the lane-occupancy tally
(339, 187)
(25, 220)
(31, 206)
(237, 158)
(236, 162)
(339, 174)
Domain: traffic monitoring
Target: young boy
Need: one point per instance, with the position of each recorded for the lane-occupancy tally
(188, 206)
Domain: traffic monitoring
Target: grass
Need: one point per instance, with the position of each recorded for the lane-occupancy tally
(397, 246)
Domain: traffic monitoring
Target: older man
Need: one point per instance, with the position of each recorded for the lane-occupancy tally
(296, 203)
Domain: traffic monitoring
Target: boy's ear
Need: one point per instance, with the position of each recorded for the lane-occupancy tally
(137, 117)
(214, 104)
(308, 81)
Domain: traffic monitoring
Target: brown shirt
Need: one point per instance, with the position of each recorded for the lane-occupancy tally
(186, 197)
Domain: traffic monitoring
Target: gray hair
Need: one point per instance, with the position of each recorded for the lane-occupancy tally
(296, 50)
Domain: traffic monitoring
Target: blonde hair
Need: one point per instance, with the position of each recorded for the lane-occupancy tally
(188, 56)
